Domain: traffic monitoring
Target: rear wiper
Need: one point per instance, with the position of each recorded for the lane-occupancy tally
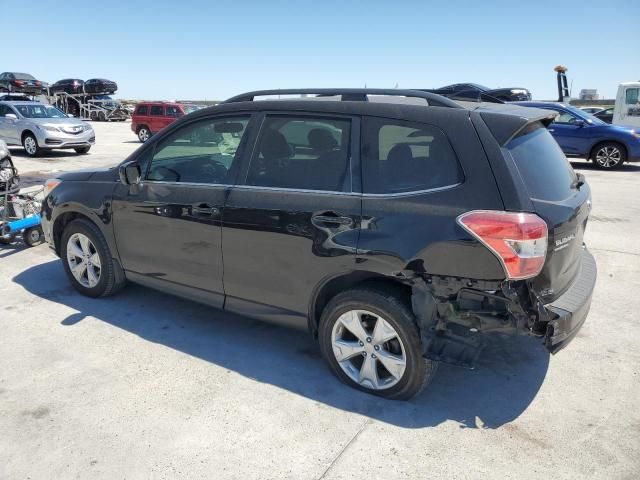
(580, 180)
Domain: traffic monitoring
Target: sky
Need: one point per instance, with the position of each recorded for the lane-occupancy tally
(211, 50)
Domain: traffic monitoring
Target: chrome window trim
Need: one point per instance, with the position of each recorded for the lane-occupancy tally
(295, 190)
(413, 192)
(188, 184)
(302, 190)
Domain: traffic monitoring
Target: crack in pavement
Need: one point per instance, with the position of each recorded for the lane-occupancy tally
(344, 449)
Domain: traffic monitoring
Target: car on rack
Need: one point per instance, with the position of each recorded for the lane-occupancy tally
(39, 128)
(100, 85)
(399, 234)
(20, 82)
(476, 92)
(582, 135)
(72, 86)
(150, 117)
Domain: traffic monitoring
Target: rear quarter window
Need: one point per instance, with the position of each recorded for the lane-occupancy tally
(404, 157)
(544, 169)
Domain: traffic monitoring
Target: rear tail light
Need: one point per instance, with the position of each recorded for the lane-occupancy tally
(519, 240)
(18, 82)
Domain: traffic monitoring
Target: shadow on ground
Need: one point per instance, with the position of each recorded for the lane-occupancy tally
(508, 377)
(49, 155)
(584, 165)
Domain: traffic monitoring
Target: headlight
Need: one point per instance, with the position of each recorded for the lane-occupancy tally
(635, 133)
(50, 184)
(49, 128)
(87, 127)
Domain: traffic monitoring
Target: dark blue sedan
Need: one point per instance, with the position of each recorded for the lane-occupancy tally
(580, 134)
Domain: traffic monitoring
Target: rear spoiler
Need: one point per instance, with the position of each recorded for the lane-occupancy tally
(506, 120)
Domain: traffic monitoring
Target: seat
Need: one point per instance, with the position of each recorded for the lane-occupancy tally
(268, 170)
(329, 170)
(400, 166)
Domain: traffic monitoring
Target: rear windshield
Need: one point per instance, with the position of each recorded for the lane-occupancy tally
(545, 170)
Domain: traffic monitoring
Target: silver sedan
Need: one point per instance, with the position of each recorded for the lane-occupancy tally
(39, 127)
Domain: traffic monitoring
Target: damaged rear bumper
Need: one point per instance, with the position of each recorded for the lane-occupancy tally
(569, 311)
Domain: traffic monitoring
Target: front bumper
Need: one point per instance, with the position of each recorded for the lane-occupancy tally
(569, 311)
(47, 139)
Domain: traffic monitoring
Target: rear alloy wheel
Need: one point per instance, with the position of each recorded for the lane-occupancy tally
(609, 155)
(30, 145)
(144, 134)
(371, 341)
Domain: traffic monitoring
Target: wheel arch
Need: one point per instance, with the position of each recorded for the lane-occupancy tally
(25, 132)
(329, 288)
(600, 142)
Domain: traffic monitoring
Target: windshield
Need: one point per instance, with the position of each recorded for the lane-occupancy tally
(39, 111)
(584, 115)
(23, 76)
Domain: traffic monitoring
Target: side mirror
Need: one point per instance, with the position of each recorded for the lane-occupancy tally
(130, 173)
(579, 123)
(12, 116)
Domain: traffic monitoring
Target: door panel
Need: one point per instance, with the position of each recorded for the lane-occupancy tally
(276, 252)
(161, 234)
(168, 228)
(294, 222)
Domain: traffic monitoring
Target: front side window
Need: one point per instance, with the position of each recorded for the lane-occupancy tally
(142, 110)
(565, 117)
(631, 97)
(157, 110)
(201, 152)
(303, 153)
(401, 157)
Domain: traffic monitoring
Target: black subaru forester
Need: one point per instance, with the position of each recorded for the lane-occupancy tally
(398, 226)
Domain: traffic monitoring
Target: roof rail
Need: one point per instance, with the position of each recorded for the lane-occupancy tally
(349, 94)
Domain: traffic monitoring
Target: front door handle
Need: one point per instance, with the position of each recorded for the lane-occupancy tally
(204, 210)
(331, 219)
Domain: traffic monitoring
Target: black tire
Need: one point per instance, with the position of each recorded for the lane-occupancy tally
(387, 304)
(144, 133)
(7, 240)
(102, 117)
(109, 282)
(33, 236)
(604, 153)
(82, 150)
(30, 145)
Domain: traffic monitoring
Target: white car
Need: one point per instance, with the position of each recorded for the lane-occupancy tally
(39, 127)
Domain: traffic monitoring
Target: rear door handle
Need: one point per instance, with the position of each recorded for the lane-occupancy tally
(204, 210)
(331, 220)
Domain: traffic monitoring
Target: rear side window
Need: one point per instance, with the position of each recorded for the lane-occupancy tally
(142, 110)
(632, 96)
(157, 110)
(545, 170)
(402, 157)
(173, 112)
(303, 153)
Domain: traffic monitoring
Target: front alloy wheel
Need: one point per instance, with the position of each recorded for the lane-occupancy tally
(30, 145)
(368, 349)
(83, 260)
(609, 156)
